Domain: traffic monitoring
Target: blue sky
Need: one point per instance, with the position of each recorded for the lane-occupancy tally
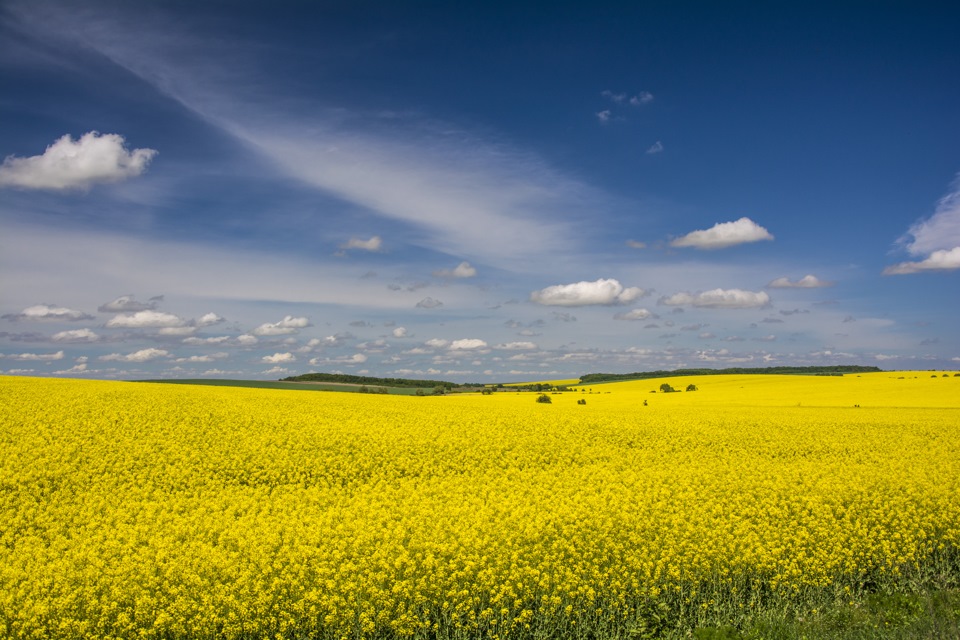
(484, 192)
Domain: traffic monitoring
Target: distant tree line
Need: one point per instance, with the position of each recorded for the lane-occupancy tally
(835, 370)
(344, 378)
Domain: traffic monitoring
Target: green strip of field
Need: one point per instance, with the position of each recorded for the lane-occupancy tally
(289, 386)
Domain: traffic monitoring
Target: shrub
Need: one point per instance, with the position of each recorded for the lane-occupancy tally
(544, 398)
(666, 388)
(691, 387)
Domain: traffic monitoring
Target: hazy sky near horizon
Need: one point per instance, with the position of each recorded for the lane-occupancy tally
(476, 192)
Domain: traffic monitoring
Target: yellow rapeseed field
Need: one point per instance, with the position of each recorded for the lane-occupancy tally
(133, 510)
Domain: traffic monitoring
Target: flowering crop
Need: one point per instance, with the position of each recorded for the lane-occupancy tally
(167, 511)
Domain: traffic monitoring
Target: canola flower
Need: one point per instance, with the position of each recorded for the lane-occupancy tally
(153, 511)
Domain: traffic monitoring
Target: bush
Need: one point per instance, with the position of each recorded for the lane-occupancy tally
(666, 388)
(691, 387)
(544, 398)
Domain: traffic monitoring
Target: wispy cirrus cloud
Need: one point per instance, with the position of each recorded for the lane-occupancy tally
(937, 238)
(455, 192)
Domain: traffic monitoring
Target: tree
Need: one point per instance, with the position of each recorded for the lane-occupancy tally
(691, 387)
(544, 398)
(666, 388)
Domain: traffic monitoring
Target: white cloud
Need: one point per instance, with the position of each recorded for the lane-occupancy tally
(614, 97)
(806, 282)
(429, 303)
(357, 358)
(724, 234)
(462, 270)
(517, 346)
(636, 244)
(145, 320)
(635, 314)
(275, 370)
(604, 116)
(177, 331)
(371, 244)
(644, 97)
(939, 232)
(77, 368)
(75, 335)
(207, 358)
(206, 341)
(279, 358)
(940, 260)
(209, 319)
(31, 357)
(143, 355)
(437, 343)
(578, 294)
(76, 164)
(288, 325)
(656, 147)
(49, 312)
(400, 332)
(720, 299)
(126, 304)
(467, 344)
(247, 340)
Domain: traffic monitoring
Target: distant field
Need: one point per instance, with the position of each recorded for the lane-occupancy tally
(290, 386)
(754, 507)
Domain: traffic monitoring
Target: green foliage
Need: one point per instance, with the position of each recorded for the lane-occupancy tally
(691, 387)
(591, 378)
(666, 388)
(344, 378)
(544, 398)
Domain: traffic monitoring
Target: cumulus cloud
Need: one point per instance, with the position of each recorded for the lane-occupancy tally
(207, 358)
(209, 319)
(467, 344)
(462, 270)
(279, 358)
(127, 304)
(604, 116)
(374, 243)
(75, 335)
(656, 147)
(145, 320)
(33, 357)
(357, 358)
(77, 368)
(644, 97)
(940, 260)
(48, 312)
(517, 346)
(429, 303)
(724, 234)
(288, 325)
(76, 164)
(635, 314)
(143, 355)
(579, 294)
(400, 332)
(806, 282)
(720, 299)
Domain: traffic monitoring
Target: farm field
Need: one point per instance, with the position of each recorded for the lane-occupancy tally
(175, 511)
